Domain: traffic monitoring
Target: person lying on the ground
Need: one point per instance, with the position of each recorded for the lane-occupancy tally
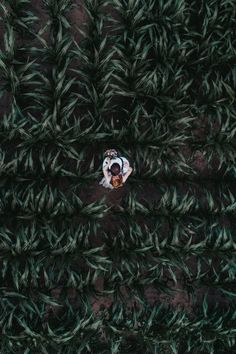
(116, 170)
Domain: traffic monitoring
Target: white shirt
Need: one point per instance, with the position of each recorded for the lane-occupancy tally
(117, 160)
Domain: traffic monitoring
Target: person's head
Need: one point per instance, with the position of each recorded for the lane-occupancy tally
(115, 169)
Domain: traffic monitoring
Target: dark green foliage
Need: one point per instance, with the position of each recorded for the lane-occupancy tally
(152, 269)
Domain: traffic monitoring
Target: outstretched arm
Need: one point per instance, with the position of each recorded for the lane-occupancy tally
(105, 169)
(126, 175)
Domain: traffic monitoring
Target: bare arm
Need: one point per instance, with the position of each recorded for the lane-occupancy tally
(126, 175)
(105, 169)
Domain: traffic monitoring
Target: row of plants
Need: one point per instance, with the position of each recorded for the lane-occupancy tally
(156, 80)
(116, 329)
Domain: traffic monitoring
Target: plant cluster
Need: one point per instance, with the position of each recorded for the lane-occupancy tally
(155, 80)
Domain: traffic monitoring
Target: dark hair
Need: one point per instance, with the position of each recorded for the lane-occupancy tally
(115, 169)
